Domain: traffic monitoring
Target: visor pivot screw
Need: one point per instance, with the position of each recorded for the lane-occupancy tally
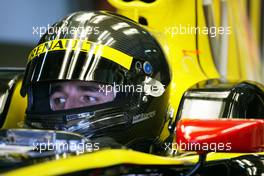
(145, 99)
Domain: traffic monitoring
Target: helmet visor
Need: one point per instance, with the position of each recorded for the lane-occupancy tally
(88, 62)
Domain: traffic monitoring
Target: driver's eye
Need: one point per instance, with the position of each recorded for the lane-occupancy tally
(59, 100)
(89, 99)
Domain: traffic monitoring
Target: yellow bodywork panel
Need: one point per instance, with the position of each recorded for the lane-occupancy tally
(106, 158)
(247, 49)
(255, 19)
(17, 108)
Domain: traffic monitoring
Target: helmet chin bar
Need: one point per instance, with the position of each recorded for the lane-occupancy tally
(85, 121)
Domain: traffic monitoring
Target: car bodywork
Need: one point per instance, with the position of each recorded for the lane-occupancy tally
(201, 88)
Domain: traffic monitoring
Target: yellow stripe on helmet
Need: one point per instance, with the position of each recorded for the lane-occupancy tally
(83, 45)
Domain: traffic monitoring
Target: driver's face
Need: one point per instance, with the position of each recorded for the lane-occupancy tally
(74, 94)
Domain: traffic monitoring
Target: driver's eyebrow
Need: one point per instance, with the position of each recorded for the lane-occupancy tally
(90, 88)
(56, 88)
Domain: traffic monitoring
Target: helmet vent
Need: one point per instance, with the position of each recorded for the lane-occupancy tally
(143, 21)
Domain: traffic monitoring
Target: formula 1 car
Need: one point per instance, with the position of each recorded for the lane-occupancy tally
(216, 122)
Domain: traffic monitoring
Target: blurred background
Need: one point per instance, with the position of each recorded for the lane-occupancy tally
(17, 37)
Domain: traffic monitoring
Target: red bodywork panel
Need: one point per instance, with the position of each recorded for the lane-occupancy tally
(223, 135)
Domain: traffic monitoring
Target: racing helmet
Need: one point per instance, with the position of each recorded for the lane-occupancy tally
(114, 58)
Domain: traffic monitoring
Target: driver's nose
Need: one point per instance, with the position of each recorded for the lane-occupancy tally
(73, 102)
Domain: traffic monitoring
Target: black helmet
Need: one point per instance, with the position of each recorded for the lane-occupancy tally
(109, 53)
